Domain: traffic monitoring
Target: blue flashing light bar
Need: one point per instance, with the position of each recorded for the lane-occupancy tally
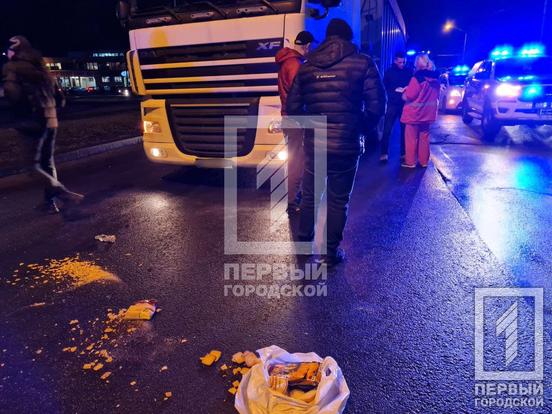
(533, 91)
(460, 69)
(502, 52)
(532, 50)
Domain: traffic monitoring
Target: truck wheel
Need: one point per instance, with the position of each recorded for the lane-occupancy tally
(489, 125)
(466, 118)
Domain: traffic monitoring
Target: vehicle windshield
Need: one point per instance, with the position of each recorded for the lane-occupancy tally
(519, 68)
(456, 80)
(149, 5)
(145, 13)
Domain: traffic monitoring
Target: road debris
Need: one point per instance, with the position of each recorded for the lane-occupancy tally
(60, 275)
(251, 359)
(210, 358)
(298, 383)
(142, 310)
(106, 238)
(238, 358)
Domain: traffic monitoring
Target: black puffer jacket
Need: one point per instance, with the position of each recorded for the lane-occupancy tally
(345, 86)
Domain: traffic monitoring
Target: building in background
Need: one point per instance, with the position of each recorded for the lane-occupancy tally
(91, 73)
(383, 31)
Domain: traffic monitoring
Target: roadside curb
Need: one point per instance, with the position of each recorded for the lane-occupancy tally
(80, 154)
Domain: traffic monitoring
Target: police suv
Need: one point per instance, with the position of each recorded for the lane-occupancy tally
(509, 89)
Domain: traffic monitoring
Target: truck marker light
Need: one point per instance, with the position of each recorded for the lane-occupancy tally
(152, 127)
(275, 127)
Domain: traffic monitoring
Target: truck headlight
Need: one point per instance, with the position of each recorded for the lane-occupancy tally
(158, 153)
(283, 155)
(152, 127)
(275, 127)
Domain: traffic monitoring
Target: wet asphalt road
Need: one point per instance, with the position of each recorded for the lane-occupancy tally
(398, 316)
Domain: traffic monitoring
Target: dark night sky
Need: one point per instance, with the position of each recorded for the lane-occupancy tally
(59, 26)
(488, 22)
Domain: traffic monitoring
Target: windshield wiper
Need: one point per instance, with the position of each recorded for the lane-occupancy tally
(214, 7)
(161, 8)
(270, 5)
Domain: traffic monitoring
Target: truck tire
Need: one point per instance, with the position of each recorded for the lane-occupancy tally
(490, 126)
(466, 117)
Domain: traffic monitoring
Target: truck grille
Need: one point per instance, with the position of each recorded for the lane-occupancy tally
(198, 126)
(176, 54)
(233, 67)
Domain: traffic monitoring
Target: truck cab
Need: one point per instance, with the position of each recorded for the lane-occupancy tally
(196, 62)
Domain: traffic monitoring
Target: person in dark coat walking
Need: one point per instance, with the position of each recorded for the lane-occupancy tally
(396, 79)
(344, 85)
(289, 61)
(33, 94)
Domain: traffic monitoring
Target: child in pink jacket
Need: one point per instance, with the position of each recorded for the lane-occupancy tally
(421, 98)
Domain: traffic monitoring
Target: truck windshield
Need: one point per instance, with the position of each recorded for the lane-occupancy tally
(145, 13)
(519, 68)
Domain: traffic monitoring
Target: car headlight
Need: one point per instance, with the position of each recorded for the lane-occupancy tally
(455, 93)
(508, 90)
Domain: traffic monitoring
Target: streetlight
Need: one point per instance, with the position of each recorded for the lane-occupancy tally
(449, 27)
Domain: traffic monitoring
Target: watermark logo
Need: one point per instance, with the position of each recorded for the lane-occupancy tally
(507, 325)
(274, 169)
(275, 281)
(509, 347)
(271, 169)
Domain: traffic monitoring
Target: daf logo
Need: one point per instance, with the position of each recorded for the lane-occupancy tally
(269, 45)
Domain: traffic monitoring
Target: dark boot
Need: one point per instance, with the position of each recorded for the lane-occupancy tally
(332, 259)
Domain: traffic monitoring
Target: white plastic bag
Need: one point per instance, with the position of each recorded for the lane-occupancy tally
(255, 397)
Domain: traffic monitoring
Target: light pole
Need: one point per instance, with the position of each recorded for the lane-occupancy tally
(544, 10)
(450, 26)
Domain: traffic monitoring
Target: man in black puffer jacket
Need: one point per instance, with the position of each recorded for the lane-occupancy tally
(345, 86)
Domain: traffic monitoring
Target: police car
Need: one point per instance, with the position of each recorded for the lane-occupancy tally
(452, 92)
(509, 89)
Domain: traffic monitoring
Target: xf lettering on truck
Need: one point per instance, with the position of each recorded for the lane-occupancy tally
(269, 45)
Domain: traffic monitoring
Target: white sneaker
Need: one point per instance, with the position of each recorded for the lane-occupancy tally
(405, 165)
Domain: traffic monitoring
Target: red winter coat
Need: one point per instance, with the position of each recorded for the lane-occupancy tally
(290, 61)
(421, 98)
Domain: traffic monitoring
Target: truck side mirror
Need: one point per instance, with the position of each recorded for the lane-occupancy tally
(330, 3)
(123, 12)
(326, 3)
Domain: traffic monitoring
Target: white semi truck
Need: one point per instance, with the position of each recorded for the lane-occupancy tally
(196, 61)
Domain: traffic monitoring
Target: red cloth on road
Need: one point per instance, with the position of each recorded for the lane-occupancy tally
(290, 61)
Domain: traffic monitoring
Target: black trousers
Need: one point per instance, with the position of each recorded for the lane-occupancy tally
(392, 115)
(295, 162)
(338, 182)
(40, 150)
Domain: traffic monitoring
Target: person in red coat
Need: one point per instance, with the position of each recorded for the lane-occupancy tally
(290, 60)
(421, 98)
